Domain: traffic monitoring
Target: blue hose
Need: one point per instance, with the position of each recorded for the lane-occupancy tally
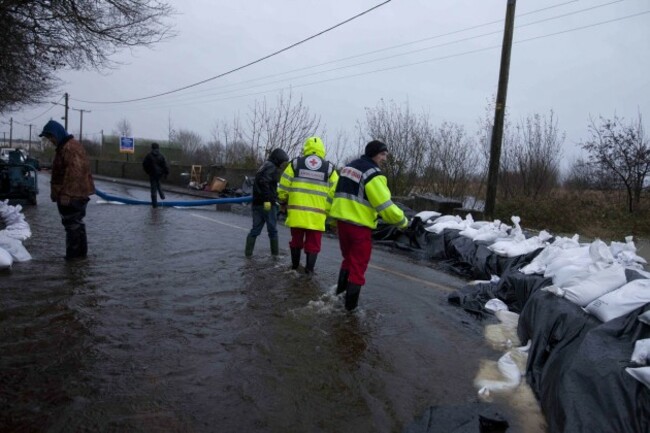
(108, 197)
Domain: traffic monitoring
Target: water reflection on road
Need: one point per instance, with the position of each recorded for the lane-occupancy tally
(167, 327)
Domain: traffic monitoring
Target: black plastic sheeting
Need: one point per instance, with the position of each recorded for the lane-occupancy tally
(576, 367)
(576, 364)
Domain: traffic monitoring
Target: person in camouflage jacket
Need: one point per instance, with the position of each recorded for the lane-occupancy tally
(71, 185)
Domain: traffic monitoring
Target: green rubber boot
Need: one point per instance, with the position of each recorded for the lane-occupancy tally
(250, 245)
(275, 249)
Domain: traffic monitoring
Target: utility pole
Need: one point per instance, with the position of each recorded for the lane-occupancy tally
(81, 122)
(66, 111)
(30, 138)
(11, 131)
(499, 111)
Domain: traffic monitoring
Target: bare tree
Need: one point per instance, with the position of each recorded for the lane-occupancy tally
(338, 148)
(622, 150)
(171, 132)
(228, 146)
(582, 176)
(123, 128)
(536, 154)
(452, 161)
(192, 145)
(42, 37)
(286, 125)
(406, 137)
(506, 163)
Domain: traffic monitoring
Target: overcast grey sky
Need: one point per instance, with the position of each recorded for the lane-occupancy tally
(579, 58)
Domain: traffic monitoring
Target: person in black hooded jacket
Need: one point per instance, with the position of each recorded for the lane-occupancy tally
(155, 166)
(265, 197)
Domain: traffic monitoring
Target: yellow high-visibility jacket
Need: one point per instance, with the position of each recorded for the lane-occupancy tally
(307, 187)
(362, 195)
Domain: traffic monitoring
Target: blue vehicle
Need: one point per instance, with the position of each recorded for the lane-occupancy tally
(19, 178)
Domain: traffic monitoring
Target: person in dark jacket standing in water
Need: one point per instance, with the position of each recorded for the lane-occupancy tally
(265, 197)
(361, 196)
(155, 166)
(71, 185)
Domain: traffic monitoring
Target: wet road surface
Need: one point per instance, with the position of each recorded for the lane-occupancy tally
(167, 327)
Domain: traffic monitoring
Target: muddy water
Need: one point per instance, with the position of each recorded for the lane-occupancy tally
(166, 327)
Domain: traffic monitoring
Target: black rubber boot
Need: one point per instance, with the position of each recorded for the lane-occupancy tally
(83, 242)
(275, 248)
(342, 284)
(250, 245)
(352, 296)
(295, 258)
(76, 243)
(311, 262)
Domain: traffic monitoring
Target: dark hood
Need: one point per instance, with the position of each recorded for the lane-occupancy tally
(56, 130)
(278, 157)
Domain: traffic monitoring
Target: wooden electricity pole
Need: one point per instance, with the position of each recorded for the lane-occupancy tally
(65, 117)
(499, 112)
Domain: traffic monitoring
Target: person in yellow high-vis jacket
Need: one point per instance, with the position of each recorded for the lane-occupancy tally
(306, 189)
(361, 196)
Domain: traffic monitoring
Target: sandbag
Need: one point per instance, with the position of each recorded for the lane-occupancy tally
(5, 259)
(619, 302)
(592, 286)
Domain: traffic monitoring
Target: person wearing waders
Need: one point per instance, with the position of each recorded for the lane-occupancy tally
(71, 185)
(307, 189)
(361, 196)
(265, 197)
(155, 165)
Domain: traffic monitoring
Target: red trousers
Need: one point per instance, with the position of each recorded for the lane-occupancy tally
(356, 246)
(310, 239)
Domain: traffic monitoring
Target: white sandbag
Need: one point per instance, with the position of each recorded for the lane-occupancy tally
(579, 266)
(450, 224)
(495, 305)
(426, 215)
(566, 257)
(625, 253)
(573, 273)
(15, 225)
(15, 248)
(447, 218)
(641, 354)
(5, 259)
(645, 317)
(478, 224)
(510, 372)
(594, 285)
(642, 374)
(628, 298)
(519, 245)
(490, 233)
(539, 263)
(469, 232)
(491, 229)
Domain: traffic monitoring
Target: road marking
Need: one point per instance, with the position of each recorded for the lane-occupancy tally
(380, 268)
(409, 277)
(218, 222)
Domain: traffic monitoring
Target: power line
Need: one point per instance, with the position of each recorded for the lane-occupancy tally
(438, 36)
(246, 65)
(44, 112)
(203, 95)
(406, 65)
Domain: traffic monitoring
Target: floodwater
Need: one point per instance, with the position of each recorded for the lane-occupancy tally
(167, 327)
